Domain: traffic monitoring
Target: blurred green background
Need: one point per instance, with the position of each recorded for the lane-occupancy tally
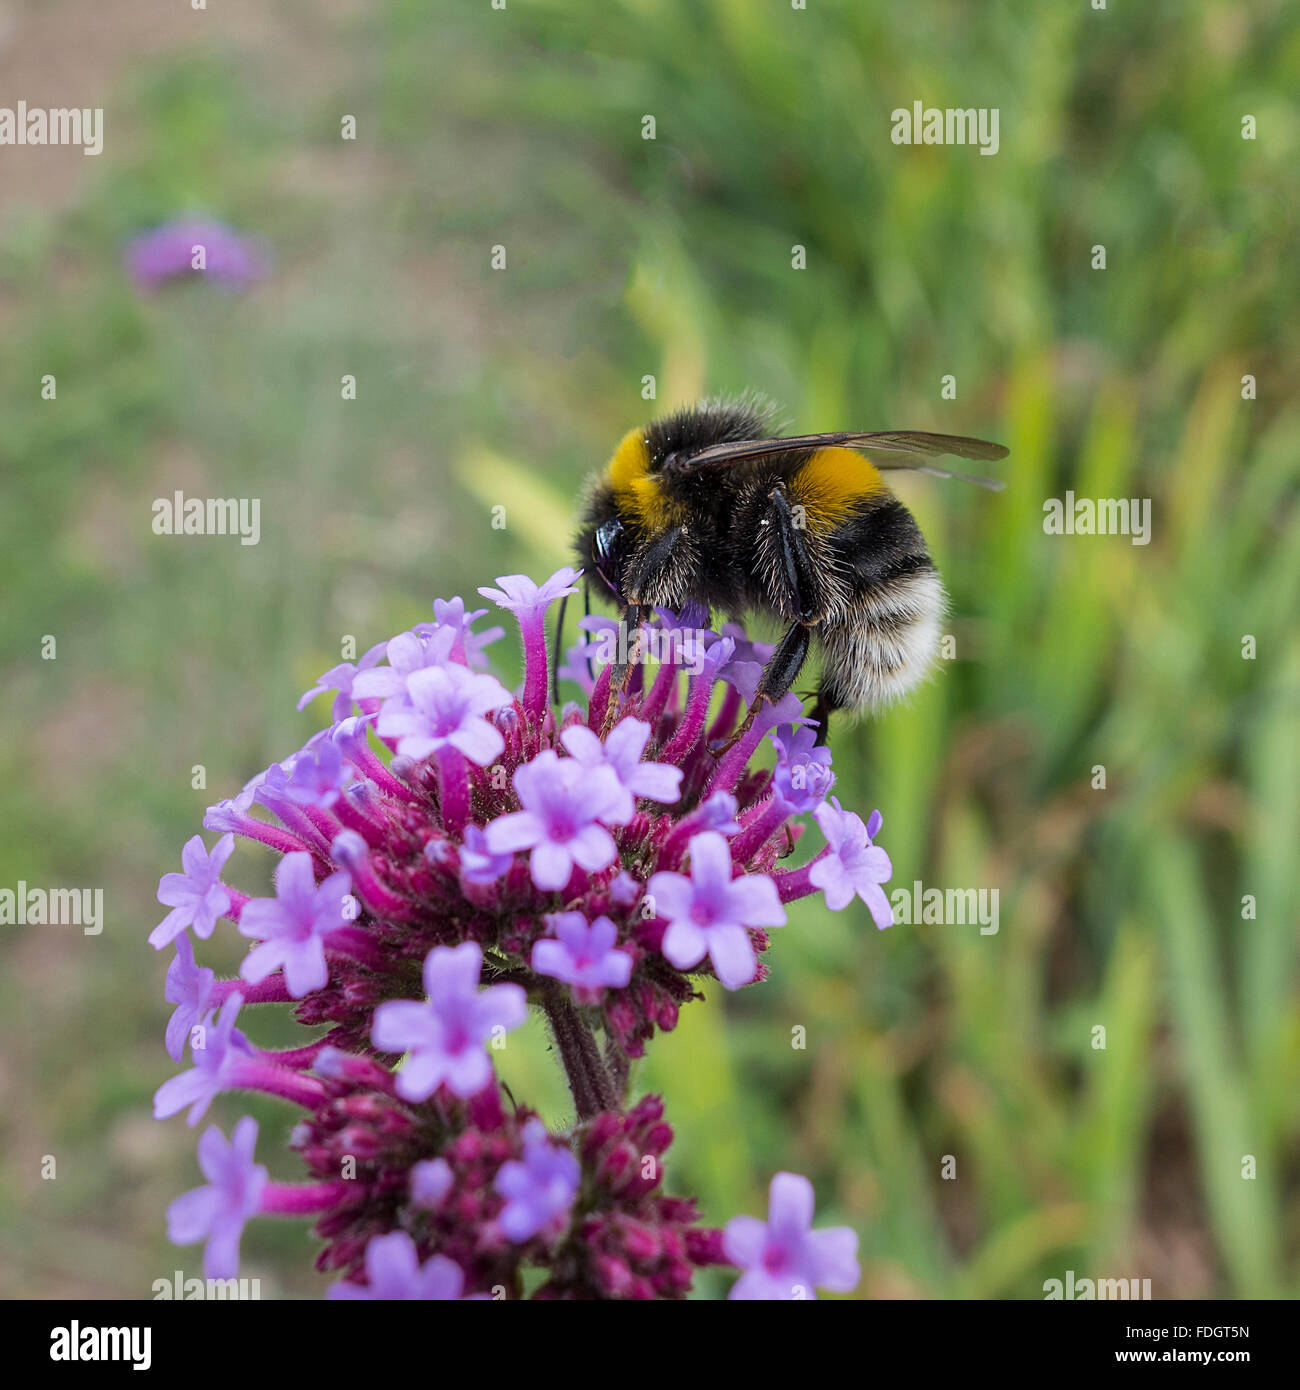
(1121, 907)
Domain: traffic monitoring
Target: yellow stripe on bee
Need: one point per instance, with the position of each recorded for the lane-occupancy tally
(832, 482)
(637, 488)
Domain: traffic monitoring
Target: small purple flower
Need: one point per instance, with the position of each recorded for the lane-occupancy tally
(521, 596)
(624, 890)
(190, 988)
(231, 814)
(339, 679)
(217, 1212)
(174, 249)
(431, 1180)
(467, 646)
(477, 863)
(271, 788)
(539, 1190)
(621, 752)
(784, 1258)
(394, 1273)
(317, 776)
(803, 774)
(583, 956)
(446, 709)
(717, 813)
(294, 926)
(757, 653)
(579, 658)
(406, 653)
(214, 1062)
(564, 802)
(854, 866)
(196, 897)
(739, 661)
(445, 1034)
(529, 602)
(708, 913)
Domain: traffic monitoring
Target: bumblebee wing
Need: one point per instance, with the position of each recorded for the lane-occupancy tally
(914, 442)
(993, 484)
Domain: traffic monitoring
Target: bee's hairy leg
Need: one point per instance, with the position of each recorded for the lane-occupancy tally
(797, 582)
(629, 643)
(796, 595)
(821, 713)
(780, 673)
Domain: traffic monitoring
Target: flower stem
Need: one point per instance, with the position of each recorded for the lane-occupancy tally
(593, 1089)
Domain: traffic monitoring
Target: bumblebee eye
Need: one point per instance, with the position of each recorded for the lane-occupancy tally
(608, 563)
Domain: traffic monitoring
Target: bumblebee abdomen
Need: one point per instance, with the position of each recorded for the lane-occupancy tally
(885, 644)
(883, 640)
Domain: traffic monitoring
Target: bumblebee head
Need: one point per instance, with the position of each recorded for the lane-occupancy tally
(605, 541)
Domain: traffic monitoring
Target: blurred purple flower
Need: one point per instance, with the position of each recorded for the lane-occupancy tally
(431, 1180)
(215, 1063)
(190, 988)
(477, 863)
(583, 956)
(784, 1258)
(192, 246)
(394, 1273)
(217, 1212)
(540, 1189)
(467, 645)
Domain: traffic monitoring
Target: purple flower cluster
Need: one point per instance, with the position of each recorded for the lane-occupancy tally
(195, 246)
(452, 853)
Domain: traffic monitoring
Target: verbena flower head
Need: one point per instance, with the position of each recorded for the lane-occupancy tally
(450, 854)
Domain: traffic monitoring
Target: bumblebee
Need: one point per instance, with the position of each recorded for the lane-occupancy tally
(709, 506)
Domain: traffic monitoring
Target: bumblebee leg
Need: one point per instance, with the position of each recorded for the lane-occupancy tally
(798, 580)
(795, 580)
(821, 712)
(629, 643)
(780, 673)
